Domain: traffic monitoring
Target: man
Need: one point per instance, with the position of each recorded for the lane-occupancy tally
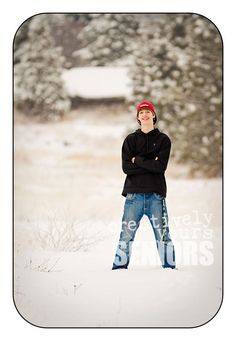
(145, 155)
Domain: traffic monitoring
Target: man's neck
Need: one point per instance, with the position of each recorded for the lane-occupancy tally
(147, 129)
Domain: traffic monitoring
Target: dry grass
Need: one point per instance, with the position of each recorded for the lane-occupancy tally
(64, 235)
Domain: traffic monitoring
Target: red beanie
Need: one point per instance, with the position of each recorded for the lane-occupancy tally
(146, 105)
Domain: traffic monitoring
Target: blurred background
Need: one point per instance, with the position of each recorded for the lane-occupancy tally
(77, 81)
(108, 63)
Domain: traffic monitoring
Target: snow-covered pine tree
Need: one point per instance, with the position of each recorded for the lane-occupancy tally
(107, 38)
(38, 84)
(181, 73)
(20, 37)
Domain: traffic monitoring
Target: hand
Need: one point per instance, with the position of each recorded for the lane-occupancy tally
(133, 158)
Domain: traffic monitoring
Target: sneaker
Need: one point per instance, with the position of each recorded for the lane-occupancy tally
(120, 268)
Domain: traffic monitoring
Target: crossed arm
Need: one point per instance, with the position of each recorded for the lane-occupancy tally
(141, 165)
(133, 158)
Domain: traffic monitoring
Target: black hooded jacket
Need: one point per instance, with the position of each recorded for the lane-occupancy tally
(146, 174)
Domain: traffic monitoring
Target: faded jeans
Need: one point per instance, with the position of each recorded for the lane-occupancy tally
(154, 206)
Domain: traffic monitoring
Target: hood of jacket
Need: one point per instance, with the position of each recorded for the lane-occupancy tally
(154, 131)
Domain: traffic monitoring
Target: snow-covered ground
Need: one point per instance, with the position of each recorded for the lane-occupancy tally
(67, 220)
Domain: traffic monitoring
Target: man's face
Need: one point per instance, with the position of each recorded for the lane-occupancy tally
(146, 116)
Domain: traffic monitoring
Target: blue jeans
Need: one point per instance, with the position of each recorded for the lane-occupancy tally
(154, 206)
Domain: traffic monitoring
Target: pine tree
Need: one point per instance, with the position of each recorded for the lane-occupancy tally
(107, 38)
(181, 73)
(38, 84)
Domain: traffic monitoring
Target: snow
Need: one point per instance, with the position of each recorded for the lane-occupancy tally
(70, 195)
(97, 82)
